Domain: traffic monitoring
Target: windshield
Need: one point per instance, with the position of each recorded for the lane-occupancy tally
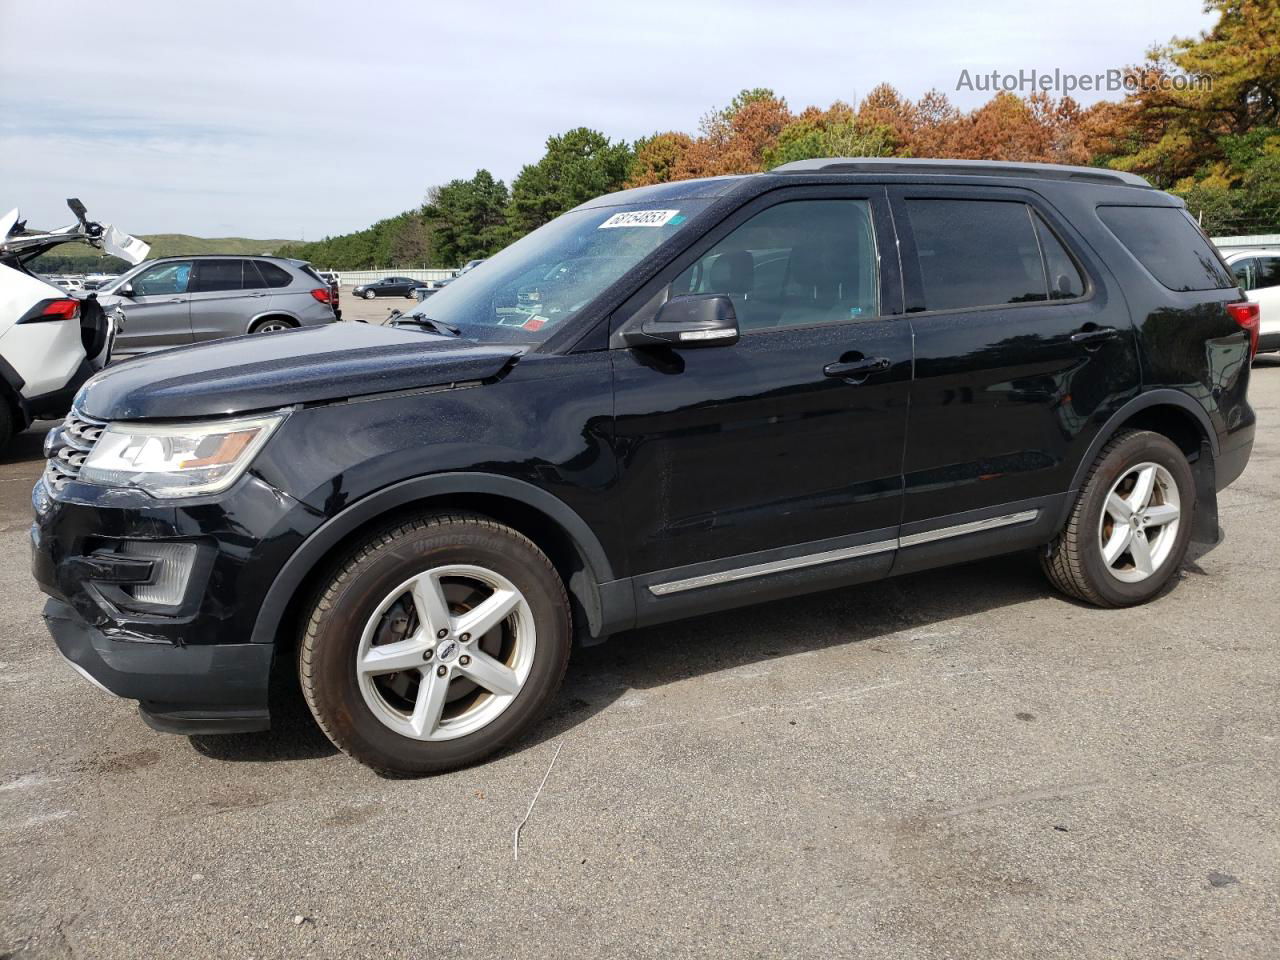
(533, 287)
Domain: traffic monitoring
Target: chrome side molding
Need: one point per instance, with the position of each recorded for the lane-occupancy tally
(843, 553)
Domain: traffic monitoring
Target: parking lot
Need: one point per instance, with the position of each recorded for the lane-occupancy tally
(372, 311)
(953, 764)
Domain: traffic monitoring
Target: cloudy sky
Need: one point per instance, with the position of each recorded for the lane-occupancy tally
(300, 119)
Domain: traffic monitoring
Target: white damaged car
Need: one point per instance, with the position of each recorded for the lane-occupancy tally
(50, 342)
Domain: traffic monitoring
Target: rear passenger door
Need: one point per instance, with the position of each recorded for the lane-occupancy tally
(772, 465)
(220, 303)
(1023, 345)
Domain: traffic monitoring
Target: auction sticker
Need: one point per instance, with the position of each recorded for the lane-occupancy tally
(639, 218)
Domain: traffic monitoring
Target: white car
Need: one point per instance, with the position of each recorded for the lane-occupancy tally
(1258, 272)
(50, 341)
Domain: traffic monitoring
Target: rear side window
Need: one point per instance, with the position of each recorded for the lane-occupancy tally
(215, 275)
(985, 253)
(272, 275)
(1065, 282)
(1169, 244)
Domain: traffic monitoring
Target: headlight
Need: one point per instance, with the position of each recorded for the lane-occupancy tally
(177, 459)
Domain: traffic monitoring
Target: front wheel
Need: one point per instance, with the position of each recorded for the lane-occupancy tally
(369, 294)
(1130, 526)
(436, 643)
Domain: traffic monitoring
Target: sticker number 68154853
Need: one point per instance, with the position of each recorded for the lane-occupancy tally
(639, 218)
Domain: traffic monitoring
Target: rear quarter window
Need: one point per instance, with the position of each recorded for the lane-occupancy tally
(272, 275)
(1170, 245)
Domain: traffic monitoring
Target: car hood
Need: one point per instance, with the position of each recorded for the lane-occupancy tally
(266, 371)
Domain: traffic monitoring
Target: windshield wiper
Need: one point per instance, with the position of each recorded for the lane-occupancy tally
(439, 326)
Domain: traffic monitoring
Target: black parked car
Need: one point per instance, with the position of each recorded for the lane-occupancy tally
(387, 287)
(724, 391)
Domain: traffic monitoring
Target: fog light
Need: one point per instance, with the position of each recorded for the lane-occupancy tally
(172, 566)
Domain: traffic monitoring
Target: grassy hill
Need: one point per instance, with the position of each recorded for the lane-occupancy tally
(79, 258)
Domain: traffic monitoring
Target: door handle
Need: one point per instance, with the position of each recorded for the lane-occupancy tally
(1094, 334)
(857, 368)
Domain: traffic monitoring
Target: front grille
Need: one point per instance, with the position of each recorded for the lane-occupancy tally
(67, 447)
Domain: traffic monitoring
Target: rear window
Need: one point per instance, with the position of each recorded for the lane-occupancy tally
(1169, 244)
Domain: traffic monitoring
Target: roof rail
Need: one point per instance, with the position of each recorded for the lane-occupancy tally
(975, 168)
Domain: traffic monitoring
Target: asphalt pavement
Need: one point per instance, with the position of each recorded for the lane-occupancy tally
(955, 764)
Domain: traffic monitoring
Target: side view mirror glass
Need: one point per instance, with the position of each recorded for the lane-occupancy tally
(695, 320)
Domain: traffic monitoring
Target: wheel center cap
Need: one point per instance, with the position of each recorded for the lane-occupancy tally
(448, 650)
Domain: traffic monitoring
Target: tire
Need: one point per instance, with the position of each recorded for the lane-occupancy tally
(369, 294)
(273, 325)
(1145, 552)
(384, 718)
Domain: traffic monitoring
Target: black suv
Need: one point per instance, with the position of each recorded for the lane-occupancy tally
(669, 401)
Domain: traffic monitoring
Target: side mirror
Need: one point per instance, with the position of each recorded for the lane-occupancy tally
(695, 320)
(126, 290)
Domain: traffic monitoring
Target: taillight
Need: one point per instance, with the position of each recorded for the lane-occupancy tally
(1249, 316)
(67, 309)
(323, 294)
(63, 308)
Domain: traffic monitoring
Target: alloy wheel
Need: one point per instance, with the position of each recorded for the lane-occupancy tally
(446, 652)
(1138, 528)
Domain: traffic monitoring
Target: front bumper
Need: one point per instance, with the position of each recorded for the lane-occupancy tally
(188, 659)
(219, 688)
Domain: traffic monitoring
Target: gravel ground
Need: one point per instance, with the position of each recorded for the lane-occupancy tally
(949, 765)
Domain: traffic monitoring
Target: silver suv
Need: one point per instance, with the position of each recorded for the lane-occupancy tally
(182, 300)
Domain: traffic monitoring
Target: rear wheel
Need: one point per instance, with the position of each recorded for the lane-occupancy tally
(436, 643)
(1129, 529)
(273, 325)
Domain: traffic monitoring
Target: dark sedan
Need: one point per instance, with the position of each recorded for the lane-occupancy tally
(387, 287)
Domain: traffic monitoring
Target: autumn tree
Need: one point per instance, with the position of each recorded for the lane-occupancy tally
(657, 158)
(735, 138)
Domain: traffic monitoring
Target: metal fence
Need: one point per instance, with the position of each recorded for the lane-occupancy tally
(1254, 241)
(353, 278)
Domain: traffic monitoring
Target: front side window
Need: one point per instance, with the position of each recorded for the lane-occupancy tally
(796, 264)
(1243, 271)
(1170, 245)
(534, 287)
(1268, 272)
(985, 253)
(164, 279)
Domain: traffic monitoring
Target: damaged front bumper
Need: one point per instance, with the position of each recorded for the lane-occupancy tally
(156, 600)
(219, 688)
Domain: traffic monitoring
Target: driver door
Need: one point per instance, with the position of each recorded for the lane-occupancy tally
(773, 465)
(159, 312)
